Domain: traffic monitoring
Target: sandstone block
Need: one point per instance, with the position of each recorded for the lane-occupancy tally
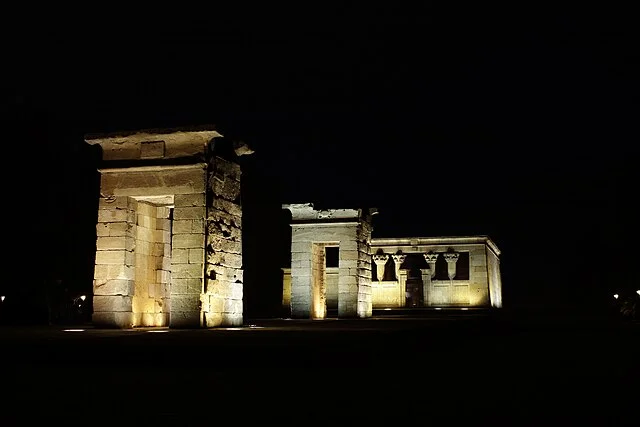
(196, 256)
(113, 287)
(227, 206)
(187, 241)
(189, 200)
(111, 303)
(180, 271)
(185, 303)
(186, 286)
(180, 256)
(197, 212)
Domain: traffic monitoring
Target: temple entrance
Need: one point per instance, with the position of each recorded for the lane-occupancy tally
(414, 297)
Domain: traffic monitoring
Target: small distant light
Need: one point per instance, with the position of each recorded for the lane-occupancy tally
(74, 330)
(83, 297)
(464, 308)
(387, 309)
(256, 327)
(615, 296)
(438, 308)
(159, 331)
(3, 297)
(637, 292)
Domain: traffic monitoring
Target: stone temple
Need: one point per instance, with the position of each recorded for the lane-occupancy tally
(169, 244)
(169, 231)
(369, 273)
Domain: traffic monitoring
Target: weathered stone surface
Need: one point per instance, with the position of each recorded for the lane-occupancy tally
(114, 257)
(113, 202)
(152, 150)
(114, 272)
(226, 259)
(188, 241)
(189, 200)
(154, 183)
(111, 303)
(192, 212)
(227, 230)
(228, 189)
(227, 206)
(185, 302)
(180, 271)
(224, 169)
(186, 286)
(116, 215)
(113, 287)
(221, 244)
(180, 255)
(196, 256)
(222, 217)
(114, 243)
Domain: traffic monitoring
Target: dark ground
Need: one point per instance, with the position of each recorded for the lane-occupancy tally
(449, 368)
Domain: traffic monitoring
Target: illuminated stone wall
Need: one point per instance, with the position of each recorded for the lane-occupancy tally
(222, 299)
(169, 230)
(331, 275)
(152, 258)
(386, 294)
(312, 230)
(484, 268)
(495, 279)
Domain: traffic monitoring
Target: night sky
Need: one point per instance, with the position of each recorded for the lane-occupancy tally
(520, 124)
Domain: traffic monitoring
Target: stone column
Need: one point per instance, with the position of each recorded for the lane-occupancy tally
(402, 281)
(426, 285)
(301, 278)
(431, 259)
(187, 260)
(398, 259)
(451, 258)
(223, 291)
(114, 274)
(365, 298)
(427, 276)
(380, 261)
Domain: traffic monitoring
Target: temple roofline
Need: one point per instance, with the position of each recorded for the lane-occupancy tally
(444, 240)
(146, 134)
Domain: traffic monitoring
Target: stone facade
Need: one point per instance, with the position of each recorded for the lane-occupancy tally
(409, 272)
(314, 230)
(479, 286)
(169, 231)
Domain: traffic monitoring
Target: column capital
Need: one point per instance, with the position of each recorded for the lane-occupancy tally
(451, 256)
(380, 258)
(430, 257)
(399, 258)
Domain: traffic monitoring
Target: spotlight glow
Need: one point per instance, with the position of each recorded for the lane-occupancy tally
(638, 292)
(158, 331)
(464, 308)
(73, 330)
(83, 297)
(3, 297)
(615, 296)
(438, 308)
(387, 309)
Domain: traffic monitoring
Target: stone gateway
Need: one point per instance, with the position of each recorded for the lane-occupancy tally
(169, 230)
